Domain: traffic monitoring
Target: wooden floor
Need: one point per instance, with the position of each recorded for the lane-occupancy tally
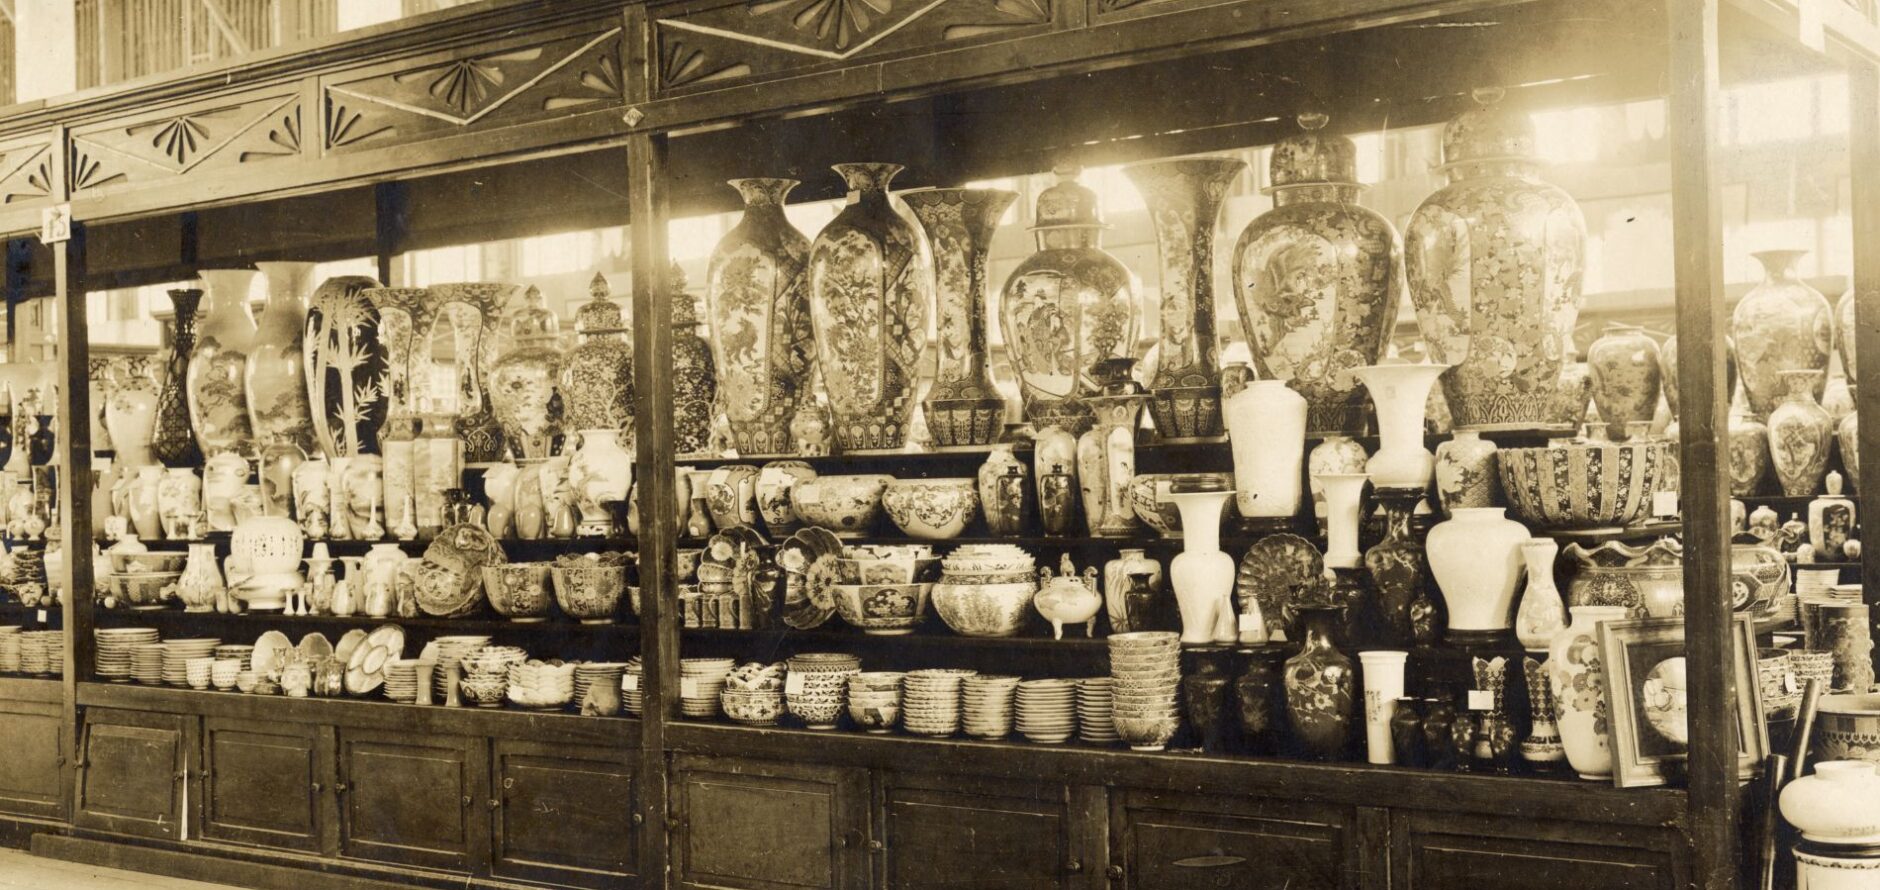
(27, 872)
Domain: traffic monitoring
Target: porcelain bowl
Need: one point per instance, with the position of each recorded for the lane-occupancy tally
(847, 505)
(1581, 485)
(589, 594)
(483, 690)
(1145, 733)
(883, 609)
(984, 610)
(933, 509)
(1148, 494)
(145, 563)
(865, 570)
(518, 591)
(146, 589)
(752, 707)
(1848, 728)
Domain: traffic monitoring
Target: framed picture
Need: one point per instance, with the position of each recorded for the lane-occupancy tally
(1646, 693)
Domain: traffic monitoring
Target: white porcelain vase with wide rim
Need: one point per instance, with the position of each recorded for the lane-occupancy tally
(1401, 393)
(1343, 494)
(1202, 575)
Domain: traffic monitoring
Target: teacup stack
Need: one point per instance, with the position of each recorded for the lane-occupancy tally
(196, 672)
(451, 650)
(700, 682)
(1096, 711)
(147, 663)
(177, 653)
(986, 705)
(114, 650)
(930, 701)
(816, 688)
(875, 700)
(1146, 669)
(1047, 710)
(10, 649)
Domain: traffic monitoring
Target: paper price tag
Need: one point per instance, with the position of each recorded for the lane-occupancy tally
(1664, 503)
(1481, 700)
(688, 687)
(41, 614)
(806, 493)
(793, 684)
(1790, 685)
(632, 683)
(1250, 623)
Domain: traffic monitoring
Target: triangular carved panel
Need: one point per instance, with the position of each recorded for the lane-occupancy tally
(180, 142)
(26, 173)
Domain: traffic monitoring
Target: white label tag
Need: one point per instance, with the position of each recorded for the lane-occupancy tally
(1789, 685)
(807, 493)
(633, 683)
(55, 224)
(1481, 700)
(770, 477)
(688, 687)
(793, 684)
(1250, 622)
(1665, 503)
(42, 616)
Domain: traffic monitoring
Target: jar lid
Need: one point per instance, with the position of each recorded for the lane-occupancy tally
(1068, 203)
(1312, 157)
(600, 313)
(1490, 132)
(534, 321)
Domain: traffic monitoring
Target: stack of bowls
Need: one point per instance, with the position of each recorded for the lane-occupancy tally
(177, 653)
(451, 650)
(930, 701)
(631, 698)
(485, 680)
(53, 644)
(1146, 669)
(1096, 711)
(1812, 664)
(875, 700)
(700, 682)
(114, 650)
(242, 652)
(10, 649)
(401, 680)
(986, 705)
(147, 663)
(589, 674)
(817, 686)
(985, 590)
(1047, 710)
(541, 685)
(753, 694)
(196, 672)
(222, 673)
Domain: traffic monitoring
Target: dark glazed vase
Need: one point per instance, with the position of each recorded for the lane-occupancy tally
(1406, 734)
(1261, 694)
(43, 442)
(1439, 720)
(1319, 688)
(1204, 698)
(1057, 501)
(1399, 573)
(171, 441)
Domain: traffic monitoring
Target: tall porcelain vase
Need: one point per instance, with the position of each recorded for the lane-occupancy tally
(1106, 463)
(1202, 575)
(757, 303)
(1580, 692)
(276, 378)
(1402, 394)
(1800, 434)
(1184, 198)
(963, 408)
(218, 403)
(1266, 424)
(1781, 325)
(1476, 558)
(869, 295)
(1343, 494)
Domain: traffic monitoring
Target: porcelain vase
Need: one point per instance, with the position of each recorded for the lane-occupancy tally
(528, 388)
(1116, 585)
(146, 511)
(1468, 471)
(757, 304)
(1401, 393)
(1800, 435)
(1781, 325)
(1627, 378)
(963, 408)
(179, 501)
(218, 403)
(1266, 425)
(1476, 559)
(1337, 454)
(130, 416)
(276, 376)
(1344, 493)
(345, 369)
(1579, 679)
(1749, 454)
(172, 441)
(222, 480)
(1847, 441)
(599, 473)
(1397, 568)
(1320, 687)
(1106, 462)
(1202, 575)
(1542, 613)
(201, 580)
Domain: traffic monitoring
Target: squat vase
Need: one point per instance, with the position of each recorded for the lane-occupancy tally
(1476, 558)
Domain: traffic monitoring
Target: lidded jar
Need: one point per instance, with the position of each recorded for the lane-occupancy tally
(597, 378)
(522, 384)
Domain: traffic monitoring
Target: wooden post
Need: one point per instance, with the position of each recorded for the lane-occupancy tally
(1863, 95)
(74, 480)
(392, 219)
(1697, 240)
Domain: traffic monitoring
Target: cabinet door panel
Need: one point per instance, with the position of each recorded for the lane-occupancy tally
(131, 777)
(1178, 842)
(31, 734)
(408, 800)
(565, 814)
(761, 825)
(1448, 850)
(943, 832)
(266, 783)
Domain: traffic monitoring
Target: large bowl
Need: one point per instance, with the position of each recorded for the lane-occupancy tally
(760, 707)
(859, 570)
(882, 609)
(1582, 485)
(846, 505)
(589, 594)
(147, 590)
(934, 509)
(518, 590)
(146, 563)
(1848, 728)
(984, 610)
(1149, 496)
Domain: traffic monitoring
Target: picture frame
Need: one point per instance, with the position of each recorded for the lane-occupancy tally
(1644, 660)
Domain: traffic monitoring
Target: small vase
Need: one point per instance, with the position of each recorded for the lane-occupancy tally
(1106, 462)
(1626, 377)
(1205, 697)
(1057, 501)
(1578, 679)
(1541, 749)
(963, 408)
(437, 458)
(1542, 613)
(1383, 687)
(1117, 584)
(1319, 688)
(531, 511)
(146, 499)
(1344, 492)
(218, 405)
(172, 441)
(1337, 454)
(1781, 325)
(1749, 454)
(1476, 558)
(499, 492)
(1406, 733)
(1847, 439)
(279, 459)
(600, 473)
(201, 580)
(1402, 394)
(1201, 574)
(1831, 522)
(130, 416)
(312, 503)
(398, 445)
(360, 498)
(1005, 513)
(1266, 424)
(1800, 434)
(275, 379)
(1147, 605)
(1496, 747)
(1467, 472)
(222, 481)
(1260, 692)
(179, 501)
(43, 443)
(1054, 448)
(1397, 568)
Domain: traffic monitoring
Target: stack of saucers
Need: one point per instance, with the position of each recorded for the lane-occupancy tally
(33, 655)
(452, 649)
(1146, 669)
(816, 687)
(401, 680)
(177, 653)
(1096, 711)
(1047, 710)
(631, 698)
(986, 705)
(114, 649)
(147, 663)
(930, 701)
(590, 673)
(10, 649)
(54, 642)
(700, 681)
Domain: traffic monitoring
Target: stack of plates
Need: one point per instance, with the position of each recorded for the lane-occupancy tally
(114, 651)
(1096, 717)
(147, 663)
(1146, 669)
(401, 680)
(33, 654)
(10, 649)
(700, 681)
(177, 653)
(54, 641)
(930, 701)
(451, 650)
(241, 652)
(587, 674)
(630, 698)
(986, 706)
(1047, 710)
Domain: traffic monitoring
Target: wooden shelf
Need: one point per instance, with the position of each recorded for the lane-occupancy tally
(269, 620)
(514, 547)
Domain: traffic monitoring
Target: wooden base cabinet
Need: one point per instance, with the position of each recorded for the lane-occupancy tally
(32, 735)
(268, 784)
(132, 772)
(1166, 841)
(410, 799)
(769, 825)
(1438, 850)
(563, 814)
(955, 831)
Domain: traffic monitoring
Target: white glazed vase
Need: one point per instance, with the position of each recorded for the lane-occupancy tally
(381, 566)
(146, 516)
(1266, 424)
(1402, 395)
(1202, 575)
(1839, 804)
(1542, 613)
(1338, 453)
(1575, 668)
(130, 415)
(499, 489)
(201, 580)
(1476, 558)
(1343, 494)
(179, 501)
(222, 480)
(600, 471)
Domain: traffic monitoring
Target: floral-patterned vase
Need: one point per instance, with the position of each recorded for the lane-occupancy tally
(1749, 454)
(1800, 434)
(1626, 377)
(1068, 306)
(1467, 473)
(1397, 567)
(1184, 197)
(1495, 260)
(1781, 325)
(1541, 613)
(130, 418)
(1668, 370)
(1578, 678)
(172, 442)
(1106, 462)
(1319, 687)
(276, 376)
(218, 404)
(962, 408)
(345, 367)
(523, 393)
(597, 377)
(599, 473)
(757, 304)
(869, 296)
(694, 382)
(1318, 278)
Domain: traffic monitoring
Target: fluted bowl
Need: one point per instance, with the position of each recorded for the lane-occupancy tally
(146, 590)
(933, 509)
(518, 590)
(1582, 485)
(983, 610)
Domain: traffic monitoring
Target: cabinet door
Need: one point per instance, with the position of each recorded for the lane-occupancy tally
(765, 825)
(407, 799)
(32, 735)
(1436, 850)
(132, 772)
(953, 831)
(1165, 841)
(563, 814)
(267, 784)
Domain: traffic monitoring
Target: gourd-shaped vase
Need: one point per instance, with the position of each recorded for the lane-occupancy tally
(522, 387)
(1106, 463)
(1476, 558)
(1202, 575)
(1266, 425)
(1184, 197)
(1320, 687)
(1066, 307)
(1781, 325)
(1578, 676)
(173, 442)
(963, 408)
(1800, 434)
(1397, 567)
(1318, 279)
(1468, 471)
(1495, 260)
(276, 378)
(1402, 395)
(345, 368)
(870, 293)
(1542, 613)
(218, 403)
(757, 304)
(1626, 377)
(694, 382)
